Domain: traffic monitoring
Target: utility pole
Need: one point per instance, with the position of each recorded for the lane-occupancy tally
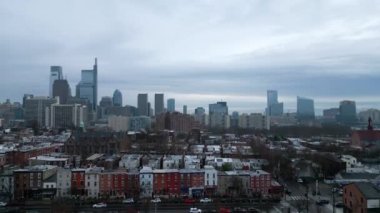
(333, 202)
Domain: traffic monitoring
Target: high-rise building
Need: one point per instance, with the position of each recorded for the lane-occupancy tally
(66, 115)
(347, 112)
(88, 86)
(142, 104)
(61, 89)
(171, 105)
(117, 98)
(106, 101)
(235, 119)
(305, 108)
(200, 115)
(35, 110)
(185, 109)
(158, 104)
(274, 108)
(55, 74)
(218, 115)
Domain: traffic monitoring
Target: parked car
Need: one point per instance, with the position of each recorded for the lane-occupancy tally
(206, 200)
(195, 210)
(99, 205)
(339, 205)
(2, 204)
(189, 201)
(156, 200)
(322, 202)
(129, 200)
(253, 210)
(299, 180)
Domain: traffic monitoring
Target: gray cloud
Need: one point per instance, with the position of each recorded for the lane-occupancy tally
(197, 51)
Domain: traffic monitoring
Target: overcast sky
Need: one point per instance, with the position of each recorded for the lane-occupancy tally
(197, 51)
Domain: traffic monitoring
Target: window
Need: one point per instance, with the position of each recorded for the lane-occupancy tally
(350, 194)
(361, 199)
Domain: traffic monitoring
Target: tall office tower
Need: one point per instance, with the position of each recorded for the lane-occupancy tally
(142, 104)
(218, 115)
(158, 104)
(274, 108)
(35, 110)
(106, 101)
(347, 112)
(171, 105)
(200, 115)
(61, 89)
(235, 119)
(117, 98)
(66, 115)
(26, 96)
(184, 109)
(55, 74)
(305, 108)
(150, 110)
(87, 88)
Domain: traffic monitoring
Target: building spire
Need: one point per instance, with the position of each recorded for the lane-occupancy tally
(370, 127)
(96, 61)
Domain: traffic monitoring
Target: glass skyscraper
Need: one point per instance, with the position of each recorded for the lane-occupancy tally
(117, 98)
(142, 104)
(88, 86)
(305, 108)
(158, 104)
(55, 74)
(171, 105)
(274, 108)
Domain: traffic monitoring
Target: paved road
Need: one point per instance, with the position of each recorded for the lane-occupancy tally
(298, 200)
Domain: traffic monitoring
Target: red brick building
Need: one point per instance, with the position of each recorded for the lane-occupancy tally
(361, 197)
(192, 181)
(166, 182)
(260, 182)
(78, 182)
(119, 183)
(21, 156)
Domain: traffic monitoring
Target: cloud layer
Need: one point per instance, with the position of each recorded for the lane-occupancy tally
(197, 51)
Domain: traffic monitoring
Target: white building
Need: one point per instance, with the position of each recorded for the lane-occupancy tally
(211, 176)
(351, 163)
(92, 181)
(63, 182)
(146, 182)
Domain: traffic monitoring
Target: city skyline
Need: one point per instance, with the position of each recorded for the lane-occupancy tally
(237, 51)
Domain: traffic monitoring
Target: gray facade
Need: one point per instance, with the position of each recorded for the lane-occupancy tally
(158, 104)
(142, 104)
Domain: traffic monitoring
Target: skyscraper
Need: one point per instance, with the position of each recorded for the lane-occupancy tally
(219, 115)
(347, 112)
(184, 109)
(142, 104)
(158, 104)
(117, 98)
(171, 105)
(274, 108)
(305, 108)
(35, 110)
(55, 74)
(61, 89)
(87, 88)
(200, 115)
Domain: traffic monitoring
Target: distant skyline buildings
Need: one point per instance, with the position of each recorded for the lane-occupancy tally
(117, 98)
(55, 74)
(171, 105)
(87, 88)
(142, 104)
(274, 108)
(159, 106)
(305, 108)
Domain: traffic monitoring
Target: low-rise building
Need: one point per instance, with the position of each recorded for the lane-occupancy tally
(92, 181)
(361, 197)
(166, 182)
(63, 182)
(146, 182)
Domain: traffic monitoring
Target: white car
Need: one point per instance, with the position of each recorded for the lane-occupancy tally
(2, 204)
(195, 210)
(206, 200)
(299, 180)
(129, 200)
(156, 200)
(99, 205)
